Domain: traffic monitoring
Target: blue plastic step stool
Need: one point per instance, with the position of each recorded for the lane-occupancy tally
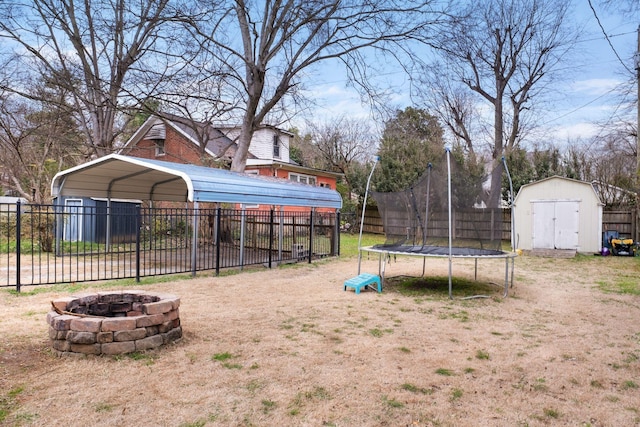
(362, 281)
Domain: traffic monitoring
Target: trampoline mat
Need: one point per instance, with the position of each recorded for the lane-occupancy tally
(439, 250)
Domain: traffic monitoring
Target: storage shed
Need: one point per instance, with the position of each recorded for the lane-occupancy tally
(558, 213)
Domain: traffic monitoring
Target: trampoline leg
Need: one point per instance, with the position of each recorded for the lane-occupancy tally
(475, 273)
(424, 263)
(513, 262)
(384, 267)
(450, 278)
(359, 260)
(506, 278)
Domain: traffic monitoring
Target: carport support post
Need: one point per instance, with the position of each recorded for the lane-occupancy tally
(194, 240)
(59, 224)
(107, 239)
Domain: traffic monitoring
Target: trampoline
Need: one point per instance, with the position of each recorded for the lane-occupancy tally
(449, 212)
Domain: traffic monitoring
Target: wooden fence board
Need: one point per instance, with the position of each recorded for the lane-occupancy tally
(623, 221)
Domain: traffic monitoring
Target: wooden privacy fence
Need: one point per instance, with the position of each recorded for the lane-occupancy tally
(624, 221)
(461, 223)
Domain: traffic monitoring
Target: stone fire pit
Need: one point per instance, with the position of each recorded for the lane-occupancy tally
(113, 322)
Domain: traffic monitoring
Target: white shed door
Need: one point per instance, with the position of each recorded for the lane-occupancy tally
(555, 224)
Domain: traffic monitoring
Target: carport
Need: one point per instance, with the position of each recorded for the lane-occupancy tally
(121, 177)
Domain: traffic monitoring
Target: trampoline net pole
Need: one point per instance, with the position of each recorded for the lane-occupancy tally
(364, 205)
(426, 207)
(511, 199)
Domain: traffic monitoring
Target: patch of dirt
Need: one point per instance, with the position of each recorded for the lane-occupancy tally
(289, 347)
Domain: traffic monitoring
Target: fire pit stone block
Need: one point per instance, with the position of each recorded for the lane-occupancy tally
(113, 322)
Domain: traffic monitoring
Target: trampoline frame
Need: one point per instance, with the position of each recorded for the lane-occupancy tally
(445, 252)
(384, 254)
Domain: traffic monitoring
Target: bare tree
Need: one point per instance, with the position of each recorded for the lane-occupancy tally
(612, 160)
(342, 145)
(454, 106)
(503, 51)
(620, 6)
(106, 53)
(36, 141)
(342, 141)
(266, 49)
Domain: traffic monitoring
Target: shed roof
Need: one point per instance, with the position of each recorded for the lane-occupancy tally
(125, 177)
(554, 182)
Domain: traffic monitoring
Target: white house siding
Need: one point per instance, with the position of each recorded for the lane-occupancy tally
(571, 201)
(262, 143)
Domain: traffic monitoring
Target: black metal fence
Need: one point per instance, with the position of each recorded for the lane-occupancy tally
(47, 244)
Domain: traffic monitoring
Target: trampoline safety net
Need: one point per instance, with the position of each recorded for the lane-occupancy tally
(417, 219)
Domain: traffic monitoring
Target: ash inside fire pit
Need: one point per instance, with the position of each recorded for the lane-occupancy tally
(113, 322)
(112, 305)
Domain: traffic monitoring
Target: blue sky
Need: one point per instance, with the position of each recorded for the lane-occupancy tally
(585, 96)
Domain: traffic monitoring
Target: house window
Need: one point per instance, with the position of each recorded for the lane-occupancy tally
(276, 146)
(159, 147)
(304, 179)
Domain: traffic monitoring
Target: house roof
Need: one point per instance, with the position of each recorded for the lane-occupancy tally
(217, 144)
(124, 177)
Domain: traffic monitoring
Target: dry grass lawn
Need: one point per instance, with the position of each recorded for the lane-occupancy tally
(288, 347)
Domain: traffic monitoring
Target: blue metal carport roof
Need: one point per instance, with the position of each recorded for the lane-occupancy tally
(123, 177)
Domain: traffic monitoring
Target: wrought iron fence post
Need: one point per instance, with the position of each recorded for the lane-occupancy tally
(138, 236)
(270, 235)
(218, 224)
(336, 230)
(194, 238)
(311, 231)
(243, 224)
(18, 243)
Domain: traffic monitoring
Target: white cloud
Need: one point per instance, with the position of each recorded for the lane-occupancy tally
(581, 130)
(336, 101)
(595, 86)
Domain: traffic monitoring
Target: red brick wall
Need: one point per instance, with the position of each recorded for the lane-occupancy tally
(284, 174)
(176, 148)
(326, 181)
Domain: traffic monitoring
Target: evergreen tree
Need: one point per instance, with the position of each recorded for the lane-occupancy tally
(410, 141)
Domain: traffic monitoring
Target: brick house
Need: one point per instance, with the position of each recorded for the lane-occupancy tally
(175, 139)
